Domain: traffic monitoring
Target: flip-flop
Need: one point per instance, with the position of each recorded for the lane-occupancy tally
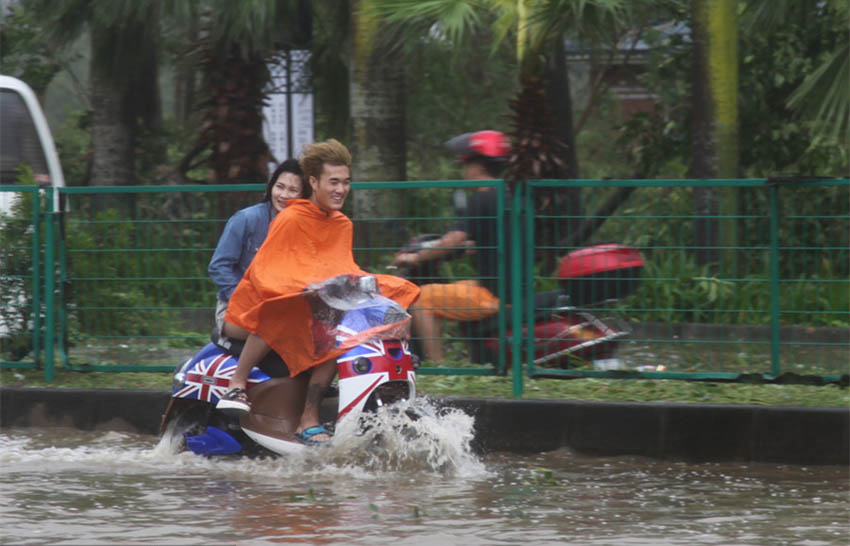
(235, 400)
(306, 435)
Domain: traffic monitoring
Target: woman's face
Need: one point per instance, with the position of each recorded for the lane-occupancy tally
(287, 186)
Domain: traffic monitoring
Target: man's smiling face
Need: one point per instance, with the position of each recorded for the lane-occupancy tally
(332, 187)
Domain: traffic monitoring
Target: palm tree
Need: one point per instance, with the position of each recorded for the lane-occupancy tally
(377, 114)
(123, 75)
(237, 42)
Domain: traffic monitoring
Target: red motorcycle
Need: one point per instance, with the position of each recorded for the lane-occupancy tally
(566, 333)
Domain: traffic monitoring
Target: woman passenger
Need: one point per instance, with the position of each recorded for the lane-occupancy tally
(243, 234)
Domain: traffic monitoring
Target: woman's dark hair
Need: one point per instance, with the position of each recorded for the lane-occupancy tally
(288, 166)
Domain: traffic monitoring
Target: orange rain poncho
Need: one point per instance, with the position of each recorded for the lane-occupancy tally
(304, 245)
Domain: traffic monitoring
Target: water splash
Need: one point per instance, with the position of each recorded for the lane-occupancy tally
(436, 441)
(407, 437)
(411, 437)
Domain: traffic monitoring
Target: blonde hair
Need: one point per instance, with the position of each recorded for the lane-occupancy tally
(331, 151)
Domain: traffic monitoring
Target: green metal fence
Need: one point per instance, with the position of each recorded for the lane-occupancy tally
(756, 284)
(21, 274)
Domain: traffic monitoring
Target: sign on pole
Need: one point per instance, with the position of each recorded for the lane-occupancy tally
(290, 98)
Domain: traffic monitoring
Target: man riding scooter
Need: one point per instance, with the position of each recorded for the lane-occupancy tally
(483, 155)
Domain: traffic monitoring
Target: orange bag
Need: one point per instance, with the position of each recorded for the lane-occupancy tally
(304, 245)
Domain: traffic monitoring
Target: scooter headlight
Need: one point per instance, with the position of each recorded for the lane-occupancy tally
(361, 365)
(179, 377)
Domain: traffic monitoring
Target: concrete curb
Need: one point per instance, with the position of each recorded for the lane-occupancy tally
(690, 432)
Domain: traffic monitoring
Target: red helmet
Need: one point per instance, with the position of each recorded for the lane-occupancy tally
(489, 144)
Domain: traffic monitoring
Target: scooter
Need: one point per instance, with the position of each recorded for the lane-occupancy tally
(566, 333)
(373, 373)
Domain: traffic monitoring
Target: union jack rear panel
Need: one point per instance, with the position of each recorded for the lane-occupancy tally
(208, 378)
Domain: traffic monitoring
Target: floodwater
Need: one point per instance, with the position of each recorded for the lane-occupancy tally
(412, 485)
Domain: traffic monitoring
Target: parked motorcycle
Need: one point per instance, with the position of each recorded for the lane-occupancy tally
(372, 373)
(566, 333)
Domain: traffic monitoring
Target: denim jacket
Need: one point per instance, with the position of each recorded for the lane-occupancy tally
(244, 233)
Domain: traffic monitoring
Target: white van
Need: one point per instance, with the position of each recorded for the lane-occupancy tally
(25, 138)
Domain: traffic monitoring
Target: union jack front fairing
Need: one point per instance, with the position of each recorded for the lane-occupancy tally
(371, 366)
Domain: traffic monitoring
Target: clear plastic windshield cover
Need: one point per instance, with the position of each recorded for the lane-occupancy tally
(348, 310)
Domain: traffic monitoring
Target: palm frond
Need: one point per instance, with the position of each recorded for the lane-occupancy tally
(456, 18)
(761, 15)
(589, 18)
(255, 26)
(64, 20)
(824, 96)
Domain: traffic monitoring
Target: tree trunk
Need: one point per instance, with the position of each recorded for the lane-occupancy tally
(123, 101)
(704, 162)
(568, 201)
(378, 133)
(715, 127)
(112, 134)
(184, 81)
(233, 117)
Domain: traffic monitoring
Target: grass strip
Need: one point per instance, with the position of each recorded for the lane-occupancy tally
(610, 390)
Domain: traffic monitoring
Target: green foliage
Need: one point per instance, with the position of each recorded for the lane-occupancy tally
(823, 97)
(17, 235)
(132, 277)
(773, 140)
(814, 237)
(655, 148)
(73, 144)
(24, 51)
(817, 220)
(599, 159)
(773, 65)
(452, 94)
(186, 340)
(650, 218)
(675, 290)
(106, 299)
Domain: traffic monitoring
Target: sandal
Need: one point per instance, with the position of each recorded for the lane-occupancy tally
(306, 436)
(235, 401)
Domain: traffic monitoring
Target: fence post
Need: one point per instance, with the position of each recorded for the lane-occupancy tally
(528, 276)
(62, 283)
(502, 289)
(36, 277)
(773, 194)
(516, 288)
(49, 288)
